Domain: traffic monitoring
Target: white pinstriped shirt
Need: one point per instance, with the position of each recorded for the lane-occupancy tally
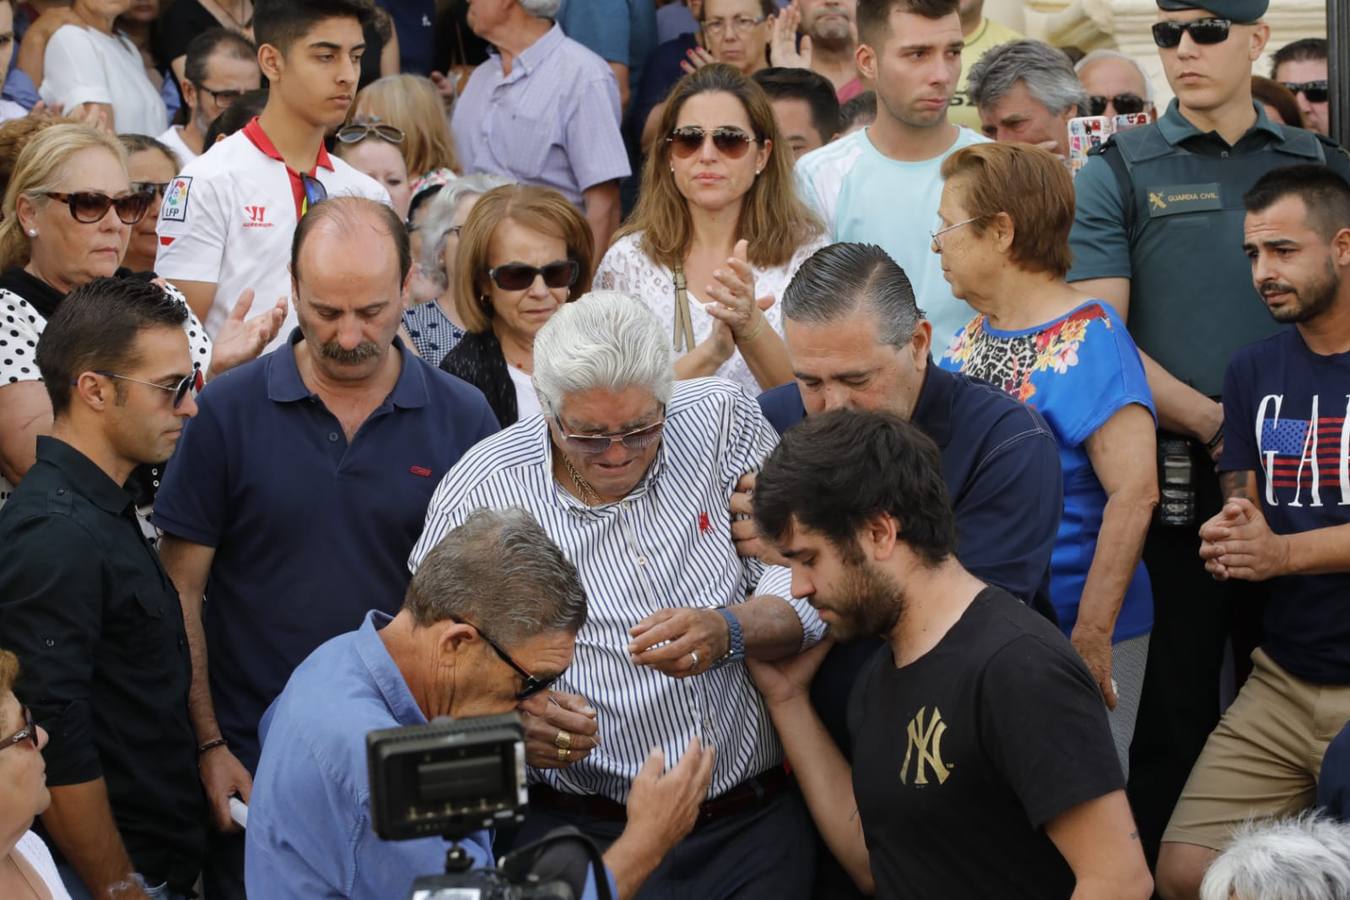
(666, 545)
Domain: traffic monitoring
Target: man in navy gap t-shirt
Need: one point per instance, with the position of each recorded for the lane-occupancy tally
(1285, 470)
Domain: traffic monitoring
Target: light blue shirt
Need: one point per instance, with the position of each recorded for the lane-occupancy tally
(866, 197)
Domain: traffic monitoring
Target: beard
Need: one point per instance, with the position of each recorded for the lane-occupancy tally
(868, 604)
(832, 33)
(1312, 300)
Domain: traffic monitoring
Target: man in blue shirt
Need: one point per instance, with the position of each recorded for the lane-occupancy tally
(310, 832)
(297, 493)
(1285, 521)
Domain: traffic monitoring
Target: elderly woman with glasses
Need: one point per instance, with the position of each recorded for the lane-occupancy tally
(375, 149)
(68, 213)
(1005, 215)
(524, 251)
(26, 866)
(718, 231)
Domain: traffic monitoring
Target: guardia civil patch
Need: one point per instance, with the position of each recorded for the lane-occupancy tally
(174, 208)
(1174, 199)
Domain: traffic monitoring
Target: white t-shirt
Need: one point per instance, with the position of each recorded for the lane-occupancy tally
(36, 854)
(173, 139)
(228, 219)
(527, 401)
(626, 268)
(82, 65)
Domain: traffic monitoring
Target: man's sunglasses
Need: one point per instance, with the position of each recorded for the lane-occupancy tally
(595, 444)
(1202, 31)
(359, 131)
(27, 733)
(152, 188)
(730, 142)
(90, 206)
(532, 684)
(1124, 103)
(1315, 91)
(518, 277)
(191, 384)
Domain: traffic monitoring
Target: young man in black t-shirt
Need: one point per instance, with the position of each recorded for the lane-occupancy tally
(983, 764)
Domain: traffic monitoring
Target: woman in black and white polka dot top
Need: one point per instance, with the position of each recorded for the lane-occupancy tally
(67, 217)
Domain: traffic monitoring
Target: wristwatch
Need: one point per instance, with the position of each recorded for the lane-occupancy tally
(735, 639)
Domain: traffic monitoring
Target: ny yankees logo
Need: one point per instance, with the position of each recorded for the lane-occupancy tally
(927, 741)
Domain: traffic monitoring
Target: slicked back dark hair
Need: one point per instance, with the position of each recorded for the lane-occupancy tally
(835, 471)
(840, 279)
(95, 327)
(874, 16)
(782, 83)
(1297, 51)
(1323, 192)
(283, 22)
(349, 213)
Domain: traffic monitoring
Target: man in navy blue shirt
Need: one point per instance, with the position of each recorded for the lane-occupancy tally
(1285, 520)
(298, 492)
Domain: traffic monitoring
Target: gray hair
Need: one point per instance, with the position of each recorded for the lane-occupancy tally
(1303, 858)
(501, 570)
(1047, 73)
(440, 216)
(541, 9)
(841, 279)
(1104, 54)
(605, 339)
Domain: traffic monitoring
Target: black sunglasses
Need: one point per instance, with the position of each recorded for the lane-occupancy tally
(1202, 31)
(315, 192)
(90, 206)
(1124, 103)
(27, 733)
(730, 142)
(532, 684)
(1315, 91)
(359, 131)
(518, 277)
(595, 444)
(152, 188)
(191, 384)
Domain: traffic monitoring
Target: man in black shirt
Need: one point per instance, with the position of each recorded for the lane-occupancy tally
(87, 607)
(983, 764)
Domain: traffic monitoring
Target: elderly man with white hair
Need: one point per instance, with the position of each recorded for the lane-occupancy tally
(1026, 92)
(1115, 83)
(631, 473)
(1306, 857)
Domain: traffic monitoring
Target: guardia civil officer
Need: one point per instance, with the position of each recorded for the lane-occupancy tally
(1158, 233)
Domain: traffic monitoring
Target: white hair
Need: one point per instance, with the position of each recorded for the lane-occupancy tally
(440, 215)
(605, 339)
(541, 9)
(1105, 54)
(1302, 858)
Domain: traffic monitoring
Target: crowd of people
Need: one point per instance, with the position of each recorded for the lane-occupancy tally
(852, 487)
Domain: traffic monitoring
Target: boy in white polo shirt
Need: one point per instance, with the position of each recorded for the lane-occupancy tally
(227, 220)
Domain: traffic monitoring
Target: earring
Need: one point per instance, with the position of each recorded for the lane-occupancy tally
(757, 171)
(32, 232)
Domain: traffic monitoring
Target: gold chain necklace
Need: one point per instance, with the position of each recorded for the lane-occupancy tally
(588, 494)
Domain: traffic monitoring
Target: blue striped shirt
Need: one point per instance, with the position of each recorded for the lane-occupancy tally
(666, 545)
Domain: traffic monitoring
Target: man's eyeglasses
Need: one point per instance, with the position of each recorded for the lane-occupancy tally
(1202, 31)
(1315, 91)
(191, 384)
(359, 131)
(315, 192)
(730, 142)
(223, 99)
(595, 444)
(151, 188)
(937, 235)
(532, 684)
(1123, 103)
(739, 24)
(91, 206)
(518, 277)
(27, 733)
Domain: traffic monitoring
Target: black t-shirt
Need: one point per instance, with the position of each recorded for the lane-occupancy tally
(961, 757)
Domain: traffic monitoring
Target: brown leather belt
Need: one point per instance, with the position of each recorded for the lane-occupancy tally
(744, 797)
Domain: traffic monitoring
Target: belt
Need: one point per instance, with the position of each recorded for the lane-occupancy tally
(744, 797)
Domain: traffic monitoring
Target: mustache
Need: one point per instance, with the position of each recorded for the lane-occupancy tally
(1276, 287)
(363, 352)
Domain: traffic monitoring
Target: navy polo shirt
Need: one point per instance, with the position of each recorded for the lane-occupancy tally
(1001, 466)
(310, 532)
(415, 25)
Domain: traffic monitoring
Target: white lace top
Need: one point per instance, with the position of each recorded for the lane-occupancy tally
(626, 268)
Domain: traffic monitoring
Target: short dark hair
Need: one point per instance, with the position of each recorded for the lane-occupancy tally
(1296, 51)
(839, 279)
(874, 16)
(283, 22)
(1323, 192)
(834, 471)
(236, 116)
(782, 83)
(862, 108)
(213, 40)
(95, 327)
(350, 212)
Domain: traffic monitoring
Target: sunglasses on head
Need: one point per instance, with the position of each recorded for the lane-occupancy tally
(152, 188)
(191, 384)
(518, 276)
(1315, 91)
(595, 444)
(90, 206)
(27, 733)
(359, 131)
(532, 685)
(1202, 31)
(1124, 103)
(730, 142)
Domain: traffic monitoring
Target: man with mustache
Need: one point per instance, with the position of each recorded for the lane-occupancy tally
(298, 498)
(1285, 521)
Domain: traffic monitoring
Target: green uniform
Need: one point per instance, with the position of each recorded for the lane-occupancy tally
(1162, 206)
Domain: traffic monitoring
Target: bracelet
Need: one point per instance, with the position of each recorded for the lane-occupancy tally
(211, 745)
(1215, 441)
(754, 334)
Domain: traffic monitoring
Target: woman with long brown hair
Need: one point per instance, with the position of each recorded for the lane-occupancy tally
(718, 231)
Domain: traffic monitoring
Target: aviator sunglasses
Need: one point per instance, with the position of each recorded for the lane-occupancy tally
(359, 131)
(595, 444)
(89, 207)
(518, 277)
(1124, 104)
(191, 384)
(1315, 91)
(1202, 31)
(730, 142)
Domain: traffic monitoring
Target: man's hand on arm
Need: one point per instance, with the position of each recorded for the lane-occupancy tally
(555, 721)
(1099, 841)
(668, 639)
(80, 823)
(744, 531)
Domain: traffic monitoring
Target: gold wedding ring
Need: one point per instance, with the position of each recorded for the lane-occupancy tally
(563, 753)
(563, 741)
(694, 654)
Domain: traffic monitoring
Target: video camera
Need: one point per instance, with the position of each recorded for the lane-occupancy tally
(452, 778)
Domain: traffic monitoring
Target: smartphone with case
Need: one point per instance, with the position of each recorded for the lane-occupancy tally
(1086, 132)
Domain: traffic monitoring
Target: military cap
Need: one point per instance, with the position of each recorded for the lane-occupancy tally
(1234, 10)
